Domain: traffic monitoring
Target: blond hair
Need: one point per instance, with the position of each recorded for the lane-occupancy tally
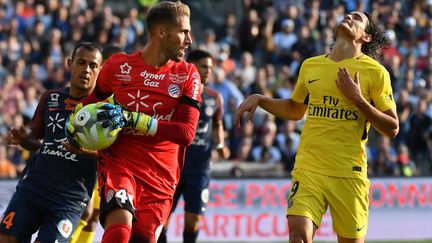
(165, 13)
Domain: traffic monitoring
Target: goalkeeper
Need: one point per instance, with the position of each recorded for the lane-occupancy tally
(160, 95)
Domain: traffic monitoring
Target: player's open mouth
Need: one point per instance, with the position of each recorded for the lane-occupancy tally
(84, 79)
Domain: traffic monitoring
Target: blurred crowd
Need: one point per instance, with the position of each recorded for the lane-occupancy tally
(258, 51)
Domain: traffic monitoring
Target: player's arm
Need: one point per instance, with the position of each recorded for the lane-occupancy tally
(218, 129)
(386, 122)
(287, 109)
(31, 140)
(180, 129)
(80, 150)
(282, 108)
(184, 123)
(19, 136)
(219, 135)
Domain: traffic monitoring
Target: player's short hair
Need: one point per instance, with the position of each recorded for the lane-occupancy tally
(379, 41)
(165, 13)
(197, 55)
(109, 50)
(91, 46)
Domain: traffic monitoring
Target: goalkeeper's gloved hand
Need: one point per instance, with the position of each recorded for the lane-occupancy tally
(119, 116)
(70, 129)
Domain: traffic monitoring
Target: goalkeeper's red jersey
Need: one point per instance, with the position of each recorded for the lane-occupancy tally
(156, 92)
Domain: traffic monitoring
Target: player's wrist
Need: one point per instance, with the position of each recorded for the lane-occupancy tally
(220, 146)
(144, 123)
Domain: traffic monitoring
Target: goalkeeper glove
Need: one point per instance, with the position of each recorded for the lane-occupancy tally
(119, 116)
(70, 129)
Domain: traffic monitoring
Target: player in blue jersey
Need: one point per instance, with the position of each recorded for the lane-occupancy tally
(195, 176)
(86, 227)
(57, 184)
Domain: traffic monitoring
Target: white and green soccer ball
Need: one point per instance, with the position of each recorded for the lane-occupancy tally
(89, 132)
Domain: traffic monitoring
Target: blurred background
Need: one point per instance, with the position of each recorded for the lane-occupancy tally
(258, 46)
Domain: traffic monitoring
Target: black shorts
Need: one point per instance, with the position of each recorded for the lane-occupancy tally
(28, 212)
(194, 188)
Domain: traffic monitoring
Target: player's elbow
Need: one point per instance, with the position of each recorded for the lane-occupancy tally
(392, 131)
(188, 134)
(189, 138)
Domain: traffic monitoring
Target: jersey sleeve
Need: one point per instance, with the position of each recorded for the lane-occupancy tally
(192, 88)
(300, 92)
(103, 81)
(381, 91)
(37, 125)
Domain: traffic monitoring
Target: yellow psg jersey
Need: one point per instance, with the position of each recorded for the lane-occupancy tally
(333, 139)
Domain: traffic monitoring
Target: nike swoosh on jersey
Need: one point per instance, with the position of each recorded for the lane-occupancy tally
(360, 228)
(312, 80)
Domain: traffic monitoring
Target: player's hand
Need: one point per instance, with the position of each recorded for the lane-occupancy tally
(224, 152)
(348, 86)
(16, 135)
(79, 150)
(70, 129)
(118, 116)
(249, 105)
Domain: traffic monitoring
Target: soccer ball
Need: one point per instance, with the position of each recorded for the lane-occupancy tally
(89, 132)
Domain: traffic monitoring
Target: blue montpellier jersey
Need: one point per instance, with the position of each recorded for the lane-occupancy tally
(198, 154)
(54, 172)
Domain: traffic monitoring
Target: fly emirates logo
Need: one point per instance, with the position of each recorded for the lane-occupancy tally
(330, 109)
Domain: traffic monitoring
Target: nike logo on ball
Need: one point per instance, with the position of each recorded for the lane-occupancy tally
(312, 80)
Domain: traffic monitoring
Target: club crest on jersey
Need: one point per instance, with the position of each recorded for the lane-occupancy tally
(205, 195)
(53, 102)
(209, 111)
(174, 90)
(65, 228)
(195, 75)
(125, 68)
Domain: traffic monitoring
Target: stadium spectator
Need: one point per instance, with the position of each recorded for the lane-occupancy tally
(420, 125)
(338, 107)
(265, 152)
(101, 22)
(7, 168)
(383, 158)
(230, 92)
(288, 140)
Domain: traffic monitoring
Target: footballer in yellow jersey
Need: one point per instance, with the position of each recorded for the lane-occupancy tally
(341, 94)
(333, 139)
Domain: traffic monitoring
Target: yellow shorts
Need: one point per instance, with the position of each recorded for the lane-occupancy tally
(96, 197)
(348, 198)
